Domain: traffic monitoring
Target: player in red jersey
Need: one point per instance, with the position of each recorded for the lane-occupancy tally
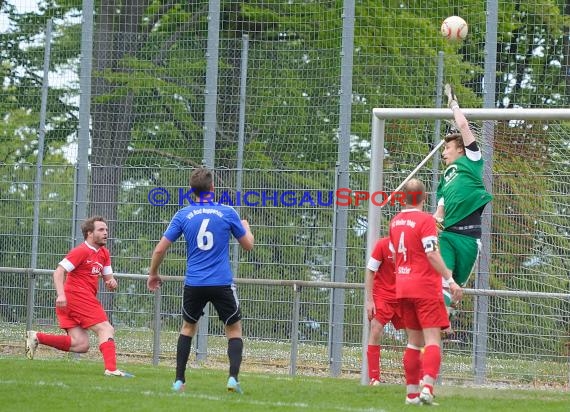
(419, 269)
(76, 281)
(381, 303)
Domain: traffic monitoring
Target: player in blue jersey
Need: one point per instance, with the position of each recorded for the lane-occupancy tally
(207, 227)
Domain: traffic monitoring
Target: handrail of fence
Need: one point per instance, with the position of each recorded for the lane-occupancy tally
(296, 285)
(313, 284)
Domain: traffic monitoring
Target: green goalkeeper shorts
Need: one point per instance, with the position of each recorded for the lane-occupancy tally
(459, 252)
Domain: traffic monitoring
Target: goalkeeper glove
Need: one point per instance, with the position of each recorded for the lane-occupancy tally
(451, 97)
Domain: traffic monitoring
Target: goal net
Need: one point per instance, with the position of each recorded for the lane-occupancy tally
(517, 299)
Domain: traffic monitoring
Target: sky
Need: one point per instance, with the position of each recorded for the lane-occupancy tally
(22, 6)
(60, 76)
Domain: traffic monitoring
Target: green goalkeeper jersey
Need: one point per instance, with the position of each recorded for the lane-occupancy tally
(462, 189)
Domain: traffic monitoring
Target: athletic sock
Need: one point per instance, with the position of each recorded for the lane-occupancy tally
(61, 342)
(431, 362)
(373, 357)
(412, 365)
(109, 352)
(235, 351)
(182, 355)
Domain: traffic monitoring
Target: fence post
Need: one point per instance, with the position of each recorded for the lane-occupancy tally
(341, 225)
(30, 300)
(481, 313)
(210, 124)
(157, 326)
(81, 183)
(295, 328)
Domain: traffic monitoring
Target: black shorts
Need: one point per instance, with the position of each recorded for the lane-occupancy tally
(224, 299)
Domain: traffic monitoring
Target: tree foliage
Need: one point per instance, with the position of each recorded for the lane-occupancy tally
(148, 84)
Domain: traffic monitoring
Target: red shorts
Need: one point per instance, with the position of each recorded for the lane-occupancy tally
(421, 314)
(388, 311)
(82, 310)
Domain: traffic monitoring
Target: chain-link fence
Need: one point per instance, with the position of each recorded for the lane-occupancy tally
(277, 98)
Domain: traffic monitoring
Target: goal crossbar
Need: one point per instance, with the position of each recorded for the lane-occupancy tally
(472, 114)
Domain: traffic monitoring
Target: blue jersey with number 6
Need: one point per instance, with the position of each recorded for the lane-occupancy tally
(206, 228)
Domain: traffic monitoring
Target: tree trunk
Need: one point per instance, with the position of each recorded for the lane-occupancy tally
(117, 35)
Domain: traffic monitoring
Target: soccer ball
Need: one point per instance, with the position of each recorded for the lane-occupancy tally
(454, 28)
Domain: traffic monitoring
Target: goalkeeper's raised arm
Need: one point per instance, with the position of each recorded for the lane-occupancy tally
(460, 120)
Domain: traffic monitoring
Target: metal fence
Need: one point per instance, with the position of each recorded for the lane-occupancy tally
(276, 96)
(286, 330)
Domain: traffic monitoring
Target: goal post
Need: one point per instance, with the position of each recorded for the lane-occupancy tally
(488, 117)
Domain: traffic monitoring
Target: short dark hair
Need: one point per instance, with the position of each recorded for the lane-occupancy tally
(455, 137)
(415, 191)
(89, 225)
(201, 181)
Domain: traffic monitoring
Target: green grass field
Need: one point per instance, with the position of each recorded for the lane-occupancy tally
(71, 385)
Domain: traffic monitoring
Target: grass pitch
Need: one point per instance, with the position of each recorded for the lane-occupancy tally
(72, 385)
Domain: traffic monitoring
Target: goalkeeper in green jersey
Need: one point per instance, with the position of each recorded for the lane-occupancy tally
(461, 198)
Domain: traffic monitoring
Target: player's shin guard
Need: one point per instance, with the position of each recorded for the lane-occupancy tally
(235, 351)
(109, 352)
(61, 342)
(412, 365)
(431, 362)
(182, 355)
(373, 358)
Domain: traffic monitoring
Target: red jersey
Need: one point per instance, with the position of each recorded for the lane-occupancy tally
(84, 264)
(382, 264)
(413, 233)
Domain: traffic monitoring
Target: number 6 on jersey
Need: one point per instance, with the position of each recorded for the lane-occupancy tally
(205, 239)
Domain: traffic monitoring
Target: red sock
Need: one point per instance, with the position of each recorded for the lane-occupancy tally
(432, 360)
(109, 353)
(373, 357)
(61, 342)
(412, 366)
